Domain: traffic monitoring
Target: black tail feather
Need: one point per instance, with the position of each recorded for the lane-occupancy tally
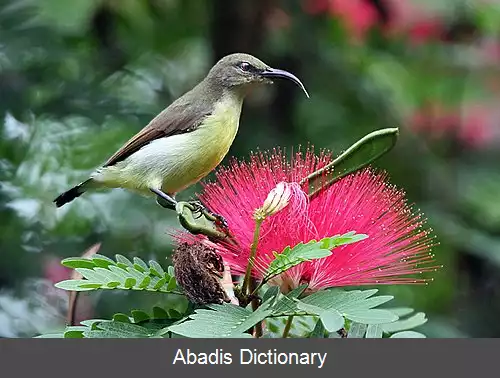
(70, 195)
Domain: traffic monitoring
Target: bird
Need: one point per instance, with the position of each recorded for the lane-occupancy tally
(188, 139)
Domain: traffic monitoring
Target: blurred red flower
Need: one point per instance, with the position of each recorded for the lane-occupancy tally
(54, 272)
(469, 125)
(397, 245)
(405, 17)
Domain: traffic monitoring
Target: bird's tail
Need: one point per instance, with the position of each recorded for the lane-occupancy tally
(73, 193)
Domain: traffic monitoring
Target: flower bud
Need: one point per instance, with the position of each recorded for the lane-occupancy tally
(276, 200)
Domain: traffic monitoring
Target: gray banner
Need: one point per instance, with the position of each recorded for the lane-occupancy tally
(328, 357)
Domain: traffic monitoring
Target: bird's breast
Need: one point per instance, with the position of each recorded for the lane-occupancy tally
(208, 144)
(219, 129)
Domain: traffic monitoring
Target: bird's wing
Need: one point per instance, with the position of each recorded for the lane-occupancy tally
(176, 119)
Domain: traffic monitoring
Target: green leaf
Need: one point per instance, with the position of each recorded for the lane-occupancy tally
(120, 272)
(73, 335)
(124, 330)
(172, 284)
(338, 240)
(50, 336)
(366, 303)
(119, 317)
(256, 317)
(92, 275)
(371, 316)
(130, 283)
(319, 331)
(359, 155)
(120, 275)
(122, 260)
(408, 335)
(286, 305)
(109, 275)
(160, 284)
(74, 285)
(171, 271)
(339, 299)
(78, 262)
(138, 275)
(332, 320)
(90, 322)
(374, 331)
(272, 292)
(173, 314)
(308, 308)
(291, 257)
(159, 313)
(356, 331)
(145, 282)
(139, 316)
(401, 311)
(90, 285)
(102, 261)
(297, 292)
(140, 265)
(74, 332)
(414, 321)
(156, 269)
(219, 321)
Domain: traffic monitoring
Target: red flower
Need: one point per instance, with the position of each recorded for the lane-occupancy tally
(405, 17)
(471, 125)
(54, 271)
(359, 15)
(397, 245)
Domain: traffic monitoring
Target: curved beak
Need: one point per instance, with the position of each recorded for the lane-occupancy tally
(282, 74)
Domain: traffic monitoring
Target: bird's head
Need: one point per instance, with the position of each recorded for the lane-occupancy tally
(243, 71)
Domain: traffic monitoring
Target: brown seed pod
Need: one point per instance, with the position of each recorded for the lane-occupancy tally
(199, 271)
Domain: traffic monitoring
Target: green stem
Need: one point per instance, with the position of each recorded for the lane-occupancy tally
(255, 305)
(253, 250)
(288, 326)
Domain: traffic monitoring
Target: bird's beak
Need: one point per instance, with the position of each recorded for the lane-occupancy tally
(282, 74)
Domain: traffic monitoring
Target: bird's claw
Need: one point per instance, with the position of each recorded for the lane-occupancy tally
(219, 220)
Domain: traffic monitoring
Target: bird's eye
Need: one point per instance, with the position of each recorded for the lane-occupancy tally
(245, 66)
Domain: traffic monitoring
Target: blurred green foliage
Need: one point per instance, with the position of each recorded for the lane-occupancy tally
(78, 78)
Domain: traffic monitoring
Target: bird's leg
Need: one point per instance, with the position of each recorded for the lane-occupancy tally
(167, 202)
(164, 200)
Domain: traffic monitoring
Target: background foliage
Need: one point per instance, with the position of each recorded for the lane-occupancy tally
(78, 78)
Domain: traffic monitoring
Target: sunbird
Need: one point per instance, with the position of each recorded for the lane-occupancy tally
(188, 139)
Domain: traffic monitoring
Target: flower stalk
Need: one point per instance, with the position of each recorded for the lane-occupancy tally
(288, 326)
(251, 260)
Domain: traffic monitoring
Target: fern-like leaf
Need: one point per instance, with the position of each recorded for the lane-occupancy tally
(101, 272)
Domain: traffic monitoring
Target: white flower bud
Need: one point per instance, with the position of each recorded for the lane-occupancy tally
(276, 200)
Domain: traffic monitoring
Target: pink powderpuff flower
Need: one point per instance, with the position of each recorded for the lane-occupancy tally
(398, 246)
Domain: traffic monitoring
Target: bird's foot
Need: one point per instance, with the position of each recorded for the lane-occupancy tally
(203, 210)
